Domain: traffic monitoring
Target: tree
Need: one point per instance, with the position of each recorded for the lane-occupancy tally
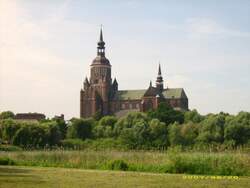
(166, 114)
(30, 135)
(212, 129)
(80, 128)
(61, 124)
(7, 115)
(9, 128)
(105, 127)
(174, 134)
(189, 133)
(53, 133)
(237, 129)
(193, 116)
(158, 133)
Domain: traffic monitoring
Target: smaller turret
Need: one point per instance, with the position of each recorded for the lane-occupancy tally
(86, 84)
(115, 85)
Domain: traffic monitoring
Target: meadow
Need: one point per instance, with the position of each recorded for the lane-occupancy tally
(230, 163)
(40, 177)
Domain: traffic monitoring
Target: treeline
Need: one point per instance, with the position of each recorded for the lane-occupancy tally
(156, 129)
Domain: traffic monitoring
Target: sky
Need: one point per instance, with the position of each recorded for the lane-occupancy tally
(46, 48)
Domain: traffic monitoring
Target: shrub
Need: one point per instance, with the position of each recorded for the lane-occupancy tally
(117, 165)
(80, 128)
(6, 161)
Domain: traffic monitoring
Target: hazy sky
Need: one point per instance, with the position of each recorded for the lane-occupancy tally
(46, 48)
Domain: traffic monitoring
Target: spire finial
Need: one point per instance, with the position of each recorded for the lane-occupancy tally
(101, 36)
(159, 69)
(150, 84)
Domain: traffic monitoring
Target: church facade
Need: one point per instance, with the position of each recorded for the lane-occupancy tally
(100, 92)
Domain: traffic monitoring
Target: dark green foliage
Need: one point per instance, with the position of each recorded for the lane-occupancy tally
(104, 127)
(6, 161)
(174, 134)
(80, 128)
(135, 131)
(212, 129)
(117, 165)
(237, 129)
(158, 134)
(9, 128)
(7, 115)
(166, 114)
(30, 135)
(193, 116)
(62, 127)
(98, 115)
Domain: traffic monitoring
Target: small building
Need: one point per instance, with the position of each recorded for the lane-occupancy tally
(29, 117)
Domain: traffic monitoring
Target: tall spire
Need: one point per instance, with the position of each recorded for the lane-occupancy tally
(101, 45)
(159, 80)
(101, 37)
(159, 70)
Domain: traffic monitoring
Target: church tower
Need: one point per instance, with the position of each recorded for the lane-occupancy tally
(97, 90)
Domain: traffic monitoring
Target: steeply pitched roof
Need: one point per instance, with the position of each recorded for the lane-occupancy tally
(138, 94)
(174, 93)
(151, 92)
(129, 94)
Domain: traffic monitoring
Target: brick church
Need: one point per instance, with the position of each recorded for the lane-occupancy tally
(100, 93)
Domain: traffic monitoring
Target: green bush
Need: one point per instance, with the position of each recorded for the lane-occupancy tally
(117, 165)
(6, 161)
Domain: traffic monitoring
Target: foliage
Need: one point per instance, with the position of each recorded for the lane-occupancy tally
(7, 115)
(6, 161)
(80, 128)
(61, 124)
(212, 129)
(116, 165)
(105, 126)
(166, 114)
(237, 129)
(193, 116)
(9, 128)
(30, 135)
(157, 129)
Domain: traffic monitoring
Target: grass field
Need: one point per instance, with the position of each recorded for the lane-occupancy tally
(208, 163)
(40, 177)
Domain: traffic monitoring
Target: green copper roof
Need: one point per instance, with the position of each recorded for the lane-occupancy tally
(138, 94)
(174, 93)
(130, 94)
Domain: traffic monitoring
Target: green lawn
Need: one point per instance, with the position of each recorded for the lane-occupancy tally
(25, 177)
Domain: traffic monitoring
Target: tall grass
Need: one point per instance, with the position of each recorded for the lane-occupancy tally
(171, 161)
